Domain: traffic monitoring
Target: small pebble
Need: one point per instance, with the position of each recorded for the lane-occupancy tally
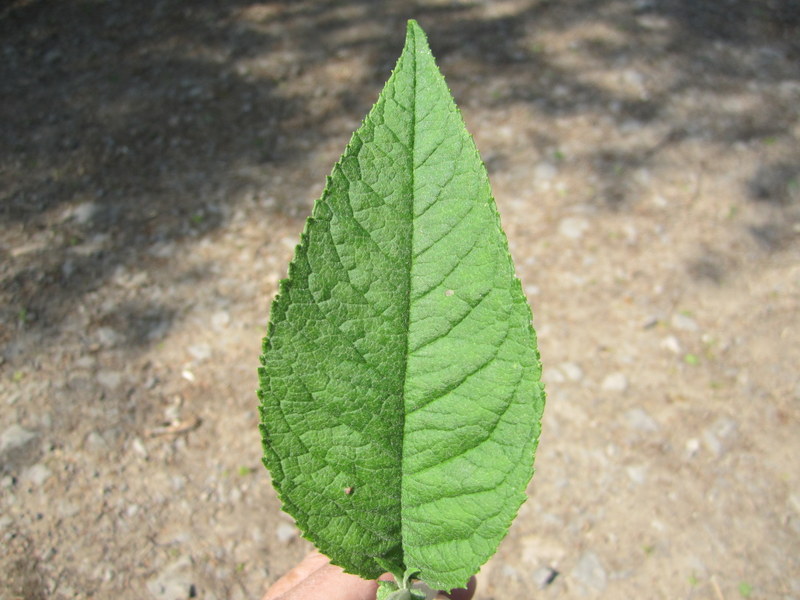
(175, 582)
(590, 573)
(45, 420)
(96, 442)
(672, 344)
(107, 337)
(36, 474)
(510, 572)
(573, 227)
(109, 379)
(67, 269)
(571, 370)
(544, 576)
(683, 322)
(200, 352)
(52, 56)
(552, 375)
(532, 290)
(653, 21)
(285, 532)
(692, 447)
(220, 319)
(85, 362)
(162, 249)
(658, 525)
(84, 212)
(631, 233)
(544, 172)
(650, 322)
(157, 330)
(719, 437)
(638, 419)
(138, 446)
(66, 509)
(637, 474)
(633, 78)
(15, 437)
(615, 382)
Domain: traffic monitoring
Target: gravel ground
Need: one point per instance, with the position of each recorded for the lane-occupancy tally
(158, 160)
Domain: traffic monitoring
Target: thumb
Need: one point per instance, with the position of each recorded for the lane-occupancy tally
(460, 594)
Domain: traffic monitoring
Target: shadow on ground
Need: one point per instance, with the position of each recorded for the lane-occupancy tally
(127, 125)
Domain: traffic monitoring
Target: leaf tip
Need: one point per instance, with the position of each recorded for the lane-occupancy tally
(413, 30)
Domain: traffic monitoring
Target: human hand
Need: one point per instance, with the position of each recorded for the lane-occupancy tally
(315, 578)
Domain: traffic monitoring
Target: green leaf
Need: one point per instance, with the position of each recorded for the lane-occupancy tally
(400, 393)
(391, 590)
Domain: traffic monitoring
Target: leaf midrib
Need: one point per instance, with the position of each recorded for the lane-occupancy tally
(412, 34)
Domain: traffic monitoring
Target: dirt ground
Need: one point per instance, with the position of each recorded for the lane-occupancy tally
(157, 161)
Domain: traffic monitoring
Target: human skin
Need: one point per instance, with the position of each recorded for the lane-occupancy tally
(315, 578)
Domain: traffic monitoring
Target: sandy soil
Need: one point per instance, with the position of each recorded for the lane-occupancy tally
(157, 161)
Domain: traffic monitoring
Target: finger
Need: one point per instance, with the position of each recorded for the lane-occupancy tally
(461, 593)
(311, 563)
(331, 583)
